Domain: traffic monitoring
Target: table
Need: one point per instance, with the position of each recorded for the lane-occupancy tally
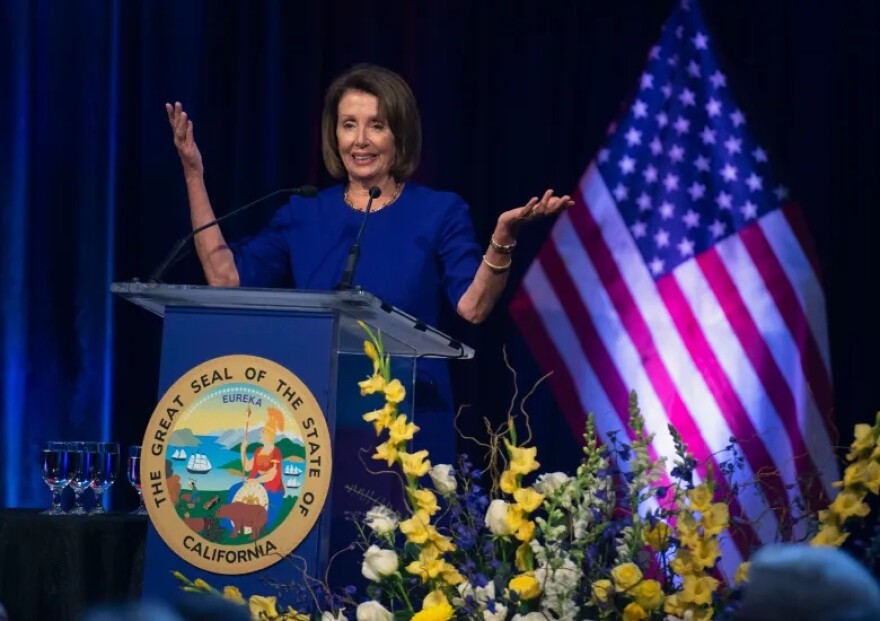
(55, 567)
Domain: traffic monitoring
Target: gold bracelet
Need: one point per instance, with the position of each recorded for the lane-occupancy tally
(501, 247)
(497, 268)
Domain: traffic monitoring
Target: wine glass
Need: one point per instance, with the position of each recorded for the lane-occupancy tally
(55, 472)
(86, 457)
(134, 477)
(105, 473)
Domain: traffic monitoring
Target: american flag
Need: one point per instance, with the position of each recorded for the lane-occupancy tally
(685, 273)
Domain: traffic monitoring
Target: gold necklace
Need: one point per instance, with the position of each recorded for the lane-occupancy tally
(393, 198)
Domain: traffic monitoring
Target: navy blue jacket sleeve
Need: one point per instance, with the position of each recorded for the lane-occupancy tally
(263, 260)
(458, 251)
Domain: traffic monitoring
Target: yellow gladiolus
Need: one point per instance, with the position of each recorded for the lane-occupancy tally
(401, 430)
(864, 441)
(706, 553)
(700, 497)
(626, 576)
(648, 594)
(373, 384)
(528, 499)
(830, 536)
(509, 482)
(848, 504)
(522, 459)
(688, 529)
(233, 594)
(387, 452)
(683, 564)
(526, 531)
(634, 612)
(526, 586)
(657, 536)
(602, 590)
(523, 557)
(865, 473)
(715, 519)
(381, 419)
(698, 589)
(372, 354)
(425, 500)
(742, 573)
(415, 464)
(394, 391)
(262, 607)
(416, 529)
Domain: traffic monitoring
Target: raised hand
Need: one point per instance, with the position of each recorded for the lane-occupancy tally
(184, 139)
(547, 205)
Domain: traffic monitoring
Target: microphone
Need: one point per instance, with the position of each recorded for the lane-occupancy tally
(355, 252)
(307, 191)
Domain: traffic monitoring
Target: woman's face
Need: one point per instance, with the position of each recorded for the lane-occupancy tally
(267, 436)
(366, 144)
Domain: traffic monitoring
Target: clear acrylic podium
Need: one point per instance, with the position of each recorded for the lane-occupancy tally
(313, 334)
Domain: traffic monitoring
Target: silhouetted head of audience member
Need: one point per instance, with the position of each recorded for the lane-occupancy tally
(3, 615)
(185, 607)
(799, 582)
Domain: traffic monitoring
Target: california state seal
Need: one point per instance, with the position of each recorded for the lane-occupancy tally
(236, 464)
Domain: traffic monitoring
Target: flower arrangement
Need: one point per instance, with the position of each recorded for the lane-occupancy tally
(618, 539)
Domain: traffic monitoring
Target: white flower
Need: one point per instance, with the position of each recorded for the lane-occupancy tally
(550, 482)
(496, 517)
(378, 563)
(328, 616)
(441, 476)
(480, 594)
(532, 616)
(561, 581)
(499, 615)
(381, 520)
(373, 611)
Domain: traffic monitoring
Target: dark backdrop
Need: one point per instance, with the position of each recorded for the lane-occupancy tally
(515, 96)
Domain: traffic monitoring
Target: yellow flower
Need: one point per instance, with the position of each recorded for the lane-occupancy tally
(441, 542)
(435, 608)
(201, 584)
(700, 497)
(657, 536)
(866, 473)
(528, 499)
(673, 605)
(387, 452)
(415, 464)
(416, 528)
(742, 573)
(864, 441)
(522, 459)
(715, 519)
(526, 531)
(688, 529)
(426, 501)
(829, 536)
(523, 559)
(233, 594)
(381, 419)
(849, 503)
(376, 383)
(262, 607)
(372, 354)
(698, 590)
(394, 391)
(526, 586)
(602, 590)
(626, 576)
(509, 482)
(451, 576)
(706, 553)
(634, 612)
(401, 431)
(683, 564)
(648, 594)
(514, 518)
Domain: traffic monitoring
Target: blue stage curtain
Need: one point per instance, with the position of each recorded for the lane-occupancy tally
(515, 97)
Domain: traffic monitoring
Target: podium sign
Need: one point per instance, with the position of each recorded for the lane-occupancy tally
(237, 458)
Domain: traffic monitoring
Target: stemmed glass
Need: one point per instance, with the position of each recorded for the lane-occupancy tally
(134, 477)
(86, 457)
(57, 469)
(104, 473)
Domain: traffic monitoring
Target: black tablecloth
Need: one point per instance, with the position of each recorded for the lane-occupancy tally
(55, 567)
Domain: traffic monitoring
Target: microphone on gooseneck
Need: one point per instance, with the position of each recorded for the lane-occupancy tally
(355, 252)
(307, 191)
